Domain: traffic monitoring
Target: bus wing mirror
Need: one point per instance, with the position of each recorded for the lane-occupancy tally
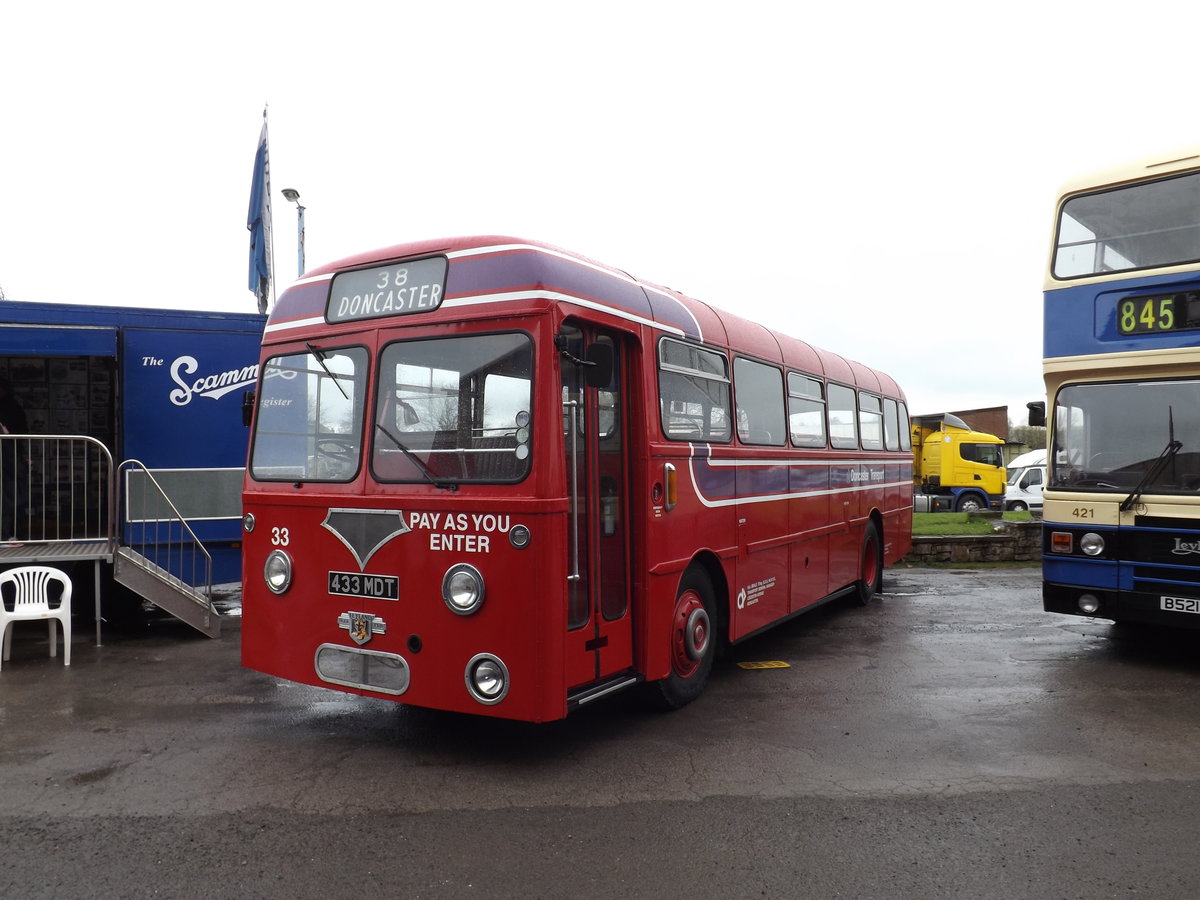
(1037, 413)
(599, 369)
(247, 407)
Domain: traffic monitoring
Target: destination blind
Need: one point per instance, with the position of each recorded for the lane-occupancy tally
(398, 289)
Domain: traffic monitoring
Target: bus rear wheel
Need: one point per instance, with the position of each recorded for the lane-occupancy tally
(870, 581)
(693, 643)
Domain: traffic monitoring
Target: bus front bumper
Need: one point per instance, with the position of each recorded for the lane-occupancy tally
(1126, 606)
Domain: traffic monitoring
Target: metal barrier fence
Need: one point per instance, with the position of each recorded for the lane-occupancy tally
(56, 488)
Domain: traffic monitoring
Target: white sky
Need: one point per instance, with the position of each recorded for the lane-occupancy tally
(875, 178)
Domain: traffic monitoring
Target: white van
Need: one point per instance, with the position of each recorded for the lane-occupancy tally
(1026, 479)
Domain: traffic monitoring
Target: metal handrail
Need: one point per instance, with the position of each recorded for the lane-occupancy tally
(198, 548)
(47, 509)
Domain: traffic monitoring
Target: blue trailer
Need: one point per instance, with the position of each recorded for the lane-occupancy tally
(134, 448)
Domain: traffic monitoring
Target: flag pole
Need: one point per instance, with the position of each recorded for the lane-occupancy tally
(258, 221)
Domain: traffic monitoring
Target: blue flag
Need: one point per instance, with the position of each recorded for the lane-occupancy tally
(258, 220)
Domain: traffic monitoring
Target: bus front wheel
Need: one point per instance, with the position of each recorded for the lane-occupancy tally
(871, 581)
(693, 642)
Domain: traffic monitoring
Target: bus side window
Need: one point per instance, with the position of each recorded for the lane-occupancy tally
(759, 392)
(870, 421)
(843, 417)
(806, 410)
(891, 424)
(693, 388)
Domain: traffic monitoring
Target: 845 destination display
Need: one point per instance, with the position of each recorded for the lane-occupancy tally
(1158, 313)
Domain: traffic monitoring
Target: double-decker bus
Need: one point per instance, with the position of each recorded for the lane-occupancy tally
(490, 476)
(1122, 371)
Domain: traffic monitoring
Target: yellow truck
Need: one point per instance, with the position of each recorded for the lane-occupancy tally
(955, 469)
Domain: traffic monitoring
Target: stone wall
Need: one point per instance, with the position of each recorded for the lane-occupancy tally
(1015, 542)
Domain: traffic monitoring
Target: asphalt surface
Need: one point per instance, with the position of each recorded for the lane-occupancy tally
(950, 740)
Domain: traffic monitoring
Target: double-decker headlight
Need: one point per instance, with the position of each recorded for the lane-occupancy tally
(277, 571)
(462, 589)
(1091, 544)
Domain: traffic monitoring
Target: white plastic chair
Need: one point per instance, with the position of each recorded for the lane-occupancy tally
(31, 592)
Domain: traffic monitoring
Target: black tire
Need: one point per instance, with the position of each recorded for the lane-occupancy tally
(870, 571)
(1018, 506)
(693, 622)
(970, 503)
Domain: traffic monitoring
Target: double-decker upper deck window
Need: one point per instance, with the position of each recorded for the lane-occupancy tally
(843, 418)
(309, 425)
(1141, 226)
(806, 410)
(693, 387)
(455, 409)
(760, 414)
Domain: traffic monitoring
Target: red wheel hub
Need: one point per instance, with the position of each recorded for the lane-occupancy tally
(691, 632)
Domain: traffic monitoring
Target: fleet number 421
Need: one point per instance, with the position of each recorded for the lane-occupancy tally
(1083, 512)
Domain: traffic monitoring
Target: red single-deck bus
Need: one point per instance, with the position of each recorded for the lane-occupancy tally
(491, 476)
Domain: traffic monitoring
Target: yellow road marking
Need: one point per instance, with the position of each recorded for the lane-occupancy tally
(765, 664)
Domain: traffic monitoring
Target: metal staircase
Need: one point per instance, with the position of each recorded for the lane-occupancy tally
(158, 548)
(165, 591)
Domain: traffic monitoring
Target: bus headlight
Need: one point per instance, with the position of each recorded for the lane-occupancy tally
(1089, 604)
(1091, 544)
(462, 589)
(277, 571)
(487, 678)
(248, 522)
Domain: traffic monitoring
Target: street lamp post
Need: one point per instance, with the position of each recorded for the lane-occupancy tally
(293, 196)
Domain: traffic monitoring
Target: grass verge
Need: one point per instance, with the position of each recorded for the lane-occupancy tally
(952, 523)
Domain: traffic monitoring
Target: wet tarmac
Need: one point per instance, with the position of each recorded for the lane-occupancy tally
(950, 740)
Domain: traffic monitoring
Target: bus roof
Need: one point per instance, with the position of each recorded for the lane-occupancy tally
(1137, 170)
(489, 269)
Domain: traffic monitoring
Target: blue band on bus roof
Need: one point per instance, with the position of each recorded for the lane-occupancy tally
(520, 268)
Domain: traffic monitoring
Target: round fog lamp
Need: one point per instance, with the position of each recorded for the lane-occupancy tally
(1091, 544)
(1089, 603)
(277, 571)
(248, 522)
(462, 589)
(487, 678)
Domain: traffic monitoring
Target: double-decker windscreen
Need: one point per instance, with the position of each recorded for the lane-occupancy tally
(1121, 436)
(1139, 226)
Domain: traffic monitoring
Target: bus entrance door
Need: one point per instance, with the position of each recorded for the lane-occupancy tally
(599, 630)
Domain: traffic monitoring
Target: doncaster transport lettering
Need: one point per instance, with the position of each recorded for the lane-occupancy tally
(394, 290)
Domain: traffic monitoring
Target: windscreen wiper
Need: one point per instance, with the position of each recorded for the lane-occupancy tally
(416, 461)
(320, 357)
(1168, 453)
